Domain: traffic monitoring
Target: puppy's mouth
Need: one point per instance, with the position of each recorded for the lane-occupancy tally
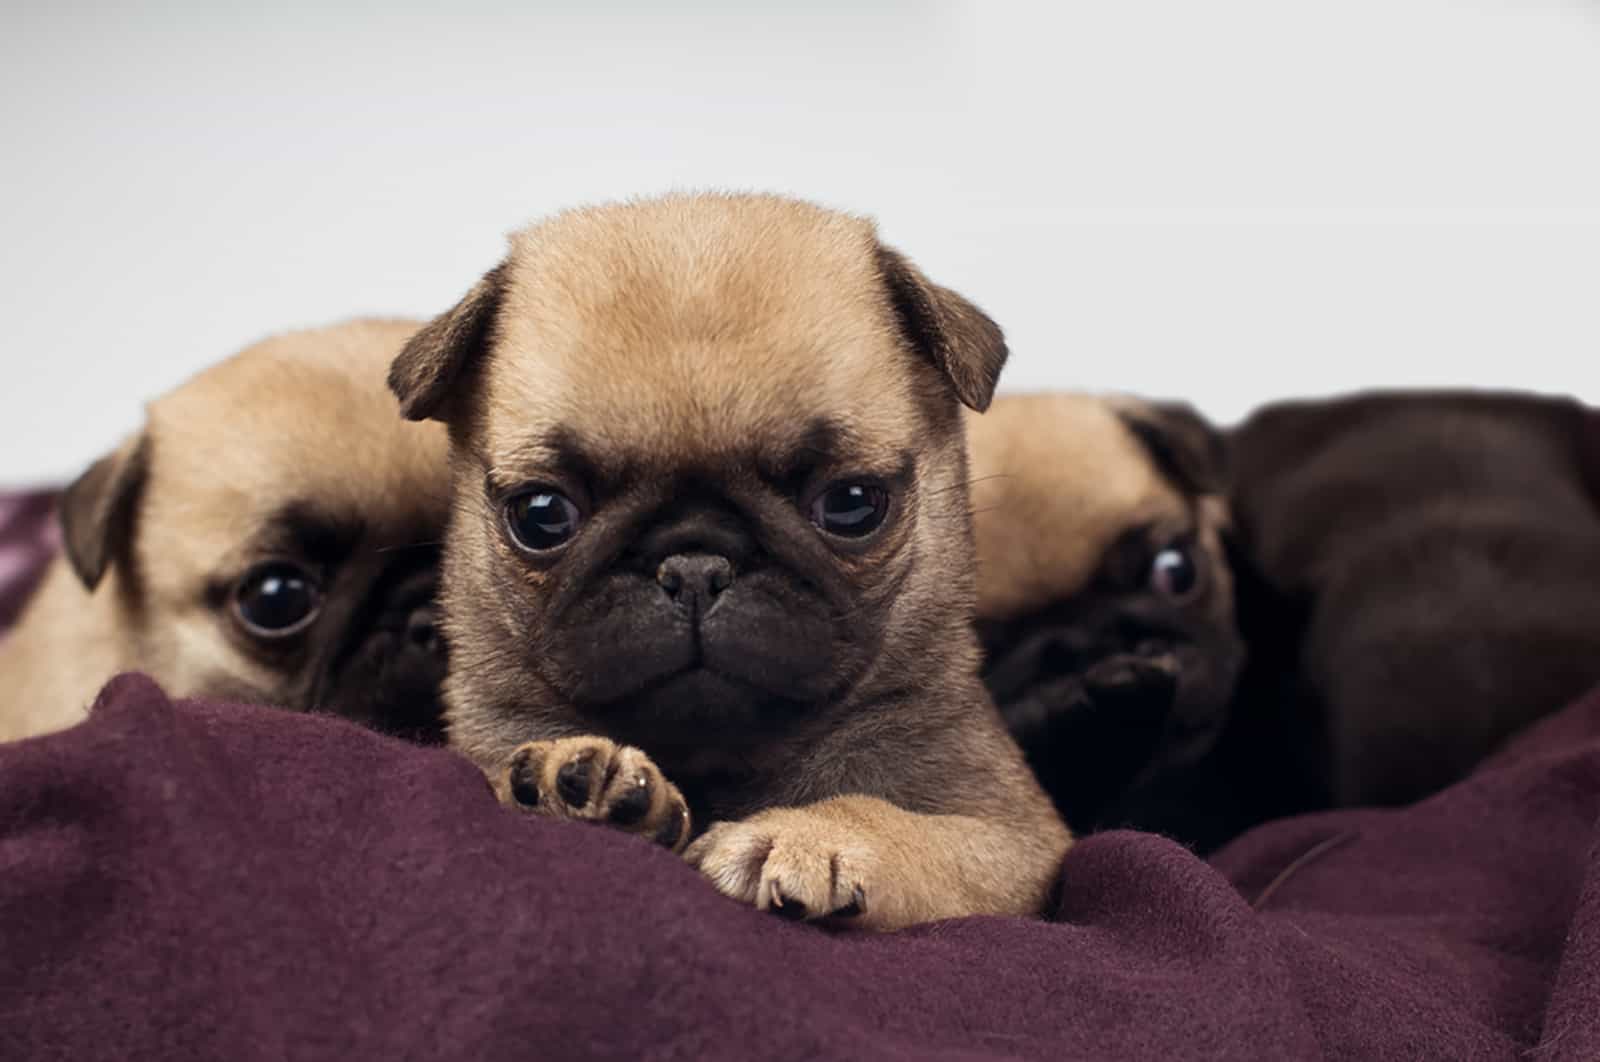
(1101, 705)
(695, 639)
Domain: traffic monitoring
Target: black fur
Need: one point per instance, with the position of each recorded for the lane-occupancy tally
(1428, 571)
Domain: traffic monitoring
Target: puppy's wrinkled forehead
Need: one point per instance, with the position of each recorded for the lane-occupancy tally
(1056, 479)
(298, 422)
(695, 326)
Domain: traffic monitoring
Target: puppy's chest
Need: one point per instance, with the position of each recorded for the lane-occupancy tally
(720, 784)
(720, 789)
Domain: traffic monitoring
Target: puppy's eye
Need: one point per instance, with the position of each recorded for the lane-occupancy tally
(542, 519)
(850, 509)
(1173, 572)
(277, 599)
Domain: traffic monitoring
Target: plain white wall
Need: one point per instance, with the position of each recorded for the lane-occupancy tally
(1227, 201)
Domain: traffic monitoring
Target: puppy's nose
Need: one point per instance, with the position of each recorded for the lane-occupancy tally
(693, 580)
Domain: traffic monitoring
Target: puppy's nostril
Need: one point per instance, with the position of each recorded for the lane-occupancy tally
(669, 579)
(694, 580)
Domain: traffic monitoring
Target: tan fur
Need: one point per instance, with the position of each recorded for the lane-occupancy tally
(1056, 478)
(696, 332)
(610, 774)
(303, 415)
(622, 334)
(894, 867)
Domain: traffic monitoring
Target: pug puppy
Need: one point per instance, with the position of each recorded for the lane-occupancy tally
(270, 536)
(1427, 569)
(1106, 604)
(711, 549)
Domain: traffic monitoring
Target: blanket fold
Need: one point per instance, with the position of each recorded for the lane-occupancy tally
(190, 880)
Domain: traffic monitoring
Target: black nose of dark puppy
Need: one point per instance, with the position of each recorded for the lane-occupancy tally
(694, 580)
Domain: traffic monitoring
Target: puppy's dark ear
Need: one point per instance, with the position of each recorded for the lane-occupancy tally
(1184, 445)
(960, 338)
(97, 510)
(434, 360)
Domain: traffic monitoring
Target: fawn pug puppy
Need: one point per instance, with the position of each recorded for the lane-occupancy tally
(1106, 602)
(711, 525)
(270, 536)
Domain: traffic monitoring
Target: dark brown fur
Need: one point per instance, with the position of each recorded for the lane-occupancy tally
(690, 370)
(1427, 567)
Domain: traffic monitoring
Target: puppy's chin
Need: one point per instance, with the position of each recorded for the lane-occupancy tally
(761, 648)
(688, 705)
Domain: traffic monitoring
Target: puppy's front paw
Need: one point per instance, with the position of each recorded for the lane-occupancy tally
(790, 862)
(596, 780)
(1143, 682)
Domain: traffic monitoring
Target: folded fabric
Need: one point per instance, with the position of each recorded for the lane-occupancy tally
(209, 881)
(29, 537)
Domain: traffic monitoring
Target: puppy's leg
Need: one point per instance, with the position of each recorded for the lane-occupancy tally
(596, 780)
(864, 862)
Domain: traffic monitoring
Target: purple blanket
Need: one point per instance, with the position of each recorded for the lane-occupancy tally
(29, 536)
(182, 880)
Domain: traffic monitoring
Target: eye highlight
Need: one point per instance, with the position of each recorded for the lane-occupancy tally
(542, 519)
(1173, 572)
(277, 599)
(850, 508)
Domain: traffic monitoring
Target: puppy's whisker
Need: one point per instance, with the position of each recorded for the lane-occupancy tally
(969, 484)
(409, 545)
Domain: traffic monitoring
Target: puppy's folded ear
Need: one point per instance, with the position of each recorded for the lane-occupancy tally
(960, 338)
(96, 512)
(434, 360)
(1184, 445)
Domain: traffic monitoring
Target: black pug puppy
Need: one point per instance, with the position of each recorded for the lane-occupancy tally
(1425, 581)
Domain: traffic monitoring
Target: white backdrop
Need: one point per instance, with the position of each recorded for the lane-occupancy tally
(1228, 201)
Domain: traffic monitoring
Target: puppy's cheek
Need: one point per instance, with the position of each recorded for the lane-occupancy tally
(1208, 675)
(394, 684)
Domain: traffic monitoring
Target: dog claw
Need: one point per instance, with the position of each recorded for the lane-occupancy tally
(855, 908)
(793, 910)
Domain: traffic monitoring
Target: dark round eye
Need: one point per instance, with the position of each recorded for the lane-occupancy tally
(1173, 572)
(850, 509)
(277, 599)
(542, 519)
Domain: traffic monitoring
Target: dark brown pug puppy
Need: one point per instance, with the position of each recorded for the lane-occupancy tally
(711, 503)
(1106, 602)
(271, 536)
(1430, 574)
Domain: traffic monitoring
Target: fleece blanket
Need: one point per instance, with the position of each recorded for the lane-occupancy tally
(29, 536)
(185, 880)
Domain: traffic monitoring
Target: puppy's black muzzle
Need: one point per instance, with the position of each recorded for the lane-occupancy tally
(1100, 700)
(391, 665)
(695, 581)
